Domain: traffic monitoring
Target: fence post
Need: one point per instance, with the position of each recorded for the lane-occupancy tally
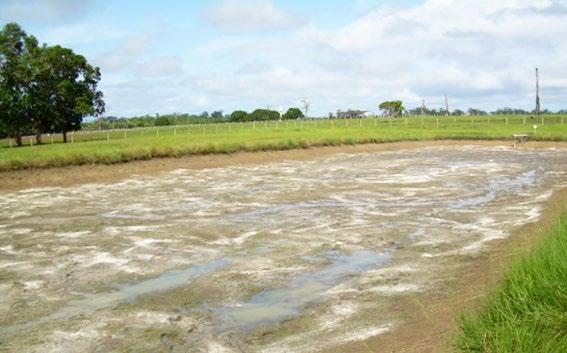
(390, 121)
(10, 139)
(524, 120)
(108, 136)
(124, 134)
(562, 118)
(73, 137)
(52, 139)
(253, 125)
(437, 123)
(360, 122)
(507, 118)
(174, 131)
(157, 132)
(406, 121)
(542, 120)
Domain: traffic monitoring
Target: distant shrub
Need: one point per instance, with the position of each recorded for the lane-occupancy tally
(239, 116)
(163, 121)
(264, 114)
(293, 114)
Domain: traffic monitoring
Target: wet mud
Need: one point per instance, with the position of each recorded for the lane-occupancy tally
(290, 256)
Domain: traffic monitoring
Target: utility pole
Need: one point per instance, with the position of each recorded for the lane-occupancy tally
(306, 106)
(446, 105)
(422, 107)
(537, 101)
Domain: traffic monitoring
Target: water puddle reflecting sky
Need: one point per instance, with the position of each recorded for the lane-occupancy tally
(272, 306)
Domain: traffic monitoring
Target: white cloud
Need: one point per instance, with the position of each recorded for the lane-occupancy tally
(481, 53)
(133, 56)
(251, 15)
(86, 32)
(43, 10)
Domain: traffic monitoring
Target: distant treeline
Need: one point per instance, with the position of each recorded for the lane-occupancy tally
(112, 122)
(474, 111)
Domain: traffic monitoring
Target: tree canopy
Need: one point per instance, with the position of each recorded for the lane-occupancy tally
(293, 114)
(44, 88)
(265, 114)
(392, 108)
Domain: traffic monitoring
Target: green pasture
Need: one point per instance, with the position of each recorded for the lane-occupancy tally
(115, 146)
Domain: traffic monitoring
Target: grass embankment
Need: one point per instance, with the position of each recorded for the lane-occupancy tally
(142, 144)
(528, 313)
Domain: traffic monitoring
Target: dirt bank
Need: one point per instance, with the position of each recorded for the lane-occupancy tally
(76, 175)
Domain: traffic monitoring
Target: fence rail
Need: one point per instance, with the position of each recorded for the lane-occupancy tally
(527, 124)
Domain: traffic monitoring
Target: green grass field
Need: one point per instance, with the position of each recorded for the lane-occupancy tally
(138, 144)
(528, 313)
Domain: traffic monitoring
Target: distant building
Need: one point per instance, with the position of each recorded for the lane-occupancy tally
(351, 114)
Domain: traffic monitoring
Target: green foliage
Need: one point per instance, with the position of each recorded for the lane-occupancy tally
(239, 116)
(45, 88)
(392, 108)
(263, 115)
(293, 114)
(528, 313)
(163, 121)
(15, 80)
(217, 115)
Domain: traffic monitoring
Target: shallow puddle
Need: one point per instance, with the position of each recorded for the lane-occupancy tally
(272, 306)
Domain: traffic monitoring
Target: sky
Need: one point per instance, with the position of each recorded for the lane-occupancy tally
(203, 55)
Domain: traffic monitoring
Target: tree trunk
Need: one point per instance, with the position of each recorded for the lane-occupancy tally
(64, 136)
(18, 139)
(38, 138)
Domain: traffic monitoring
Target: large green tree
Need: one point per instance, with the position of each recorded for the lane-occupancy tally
(15, 79)
(72, 89)
(44, 88)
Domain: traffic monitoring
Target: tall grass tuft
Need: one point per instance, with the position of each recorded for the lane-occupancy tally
(528, 313)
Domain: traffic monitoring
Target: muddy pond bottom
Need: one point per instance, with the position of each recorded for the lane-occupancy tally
(297, 256)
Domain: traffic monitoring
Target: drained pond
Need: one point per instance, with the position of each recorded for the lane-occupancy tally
(294, 256)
